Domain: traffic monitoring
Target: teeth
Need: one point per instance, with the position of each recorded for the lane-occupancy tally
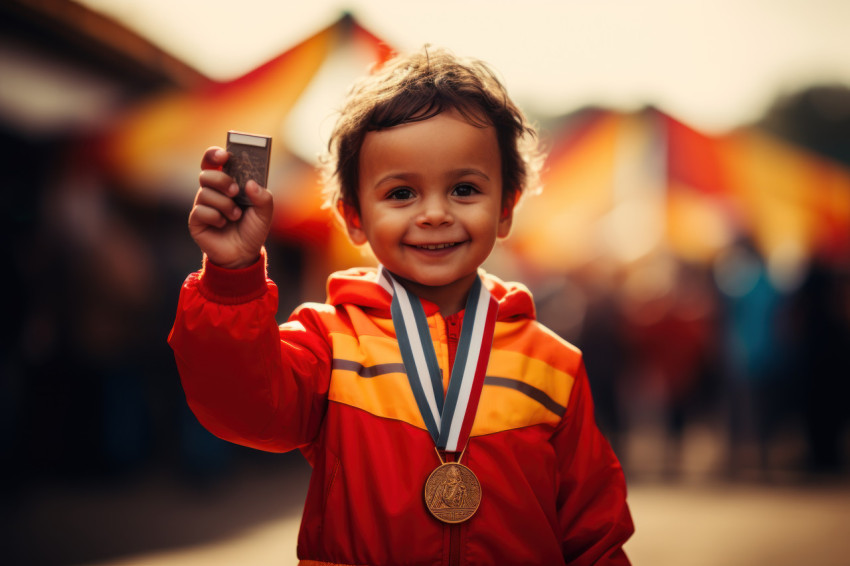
(435, 246)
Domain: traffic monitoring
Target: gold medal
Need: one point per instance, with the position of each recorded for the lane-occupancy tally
(452, 493)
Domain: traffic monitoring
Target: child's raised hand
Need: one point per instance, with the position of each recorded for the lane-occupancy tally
(230, 236)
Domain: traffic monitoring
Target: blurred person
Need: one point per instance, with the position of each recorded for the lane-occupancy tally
(824, 317)
(756, 348)
(380, 386)
(84, 344)
(603, 342)
(668, 331)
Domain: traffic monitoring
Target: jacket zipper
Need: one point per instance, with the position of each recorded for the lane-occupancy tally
(451, 326)
(454, 545)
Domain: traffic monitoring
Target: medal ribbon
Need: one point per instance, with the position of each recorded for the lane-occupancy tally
(449, 422)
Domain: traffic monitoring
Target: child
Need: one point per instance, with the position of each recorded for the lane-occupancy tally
(443, 423)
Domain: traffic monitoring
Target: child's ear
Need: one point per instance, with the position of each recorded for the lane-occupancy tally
(506, 217)
(353, 225)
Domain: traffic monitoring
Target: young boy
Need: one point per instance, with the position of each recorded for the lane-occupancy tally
(444, 424)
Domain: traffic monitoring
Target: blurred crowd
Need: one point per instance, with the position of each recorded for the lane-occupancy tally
(724, 348)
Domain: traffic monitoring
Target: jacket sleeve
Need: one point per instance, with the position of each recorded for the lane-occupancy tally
(594, 518)
(247, 380)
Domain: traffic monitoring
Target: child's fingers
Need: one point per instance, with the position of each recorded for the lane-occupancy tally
(221, 182)
(218, 201)
(214, 158)
(203, 217)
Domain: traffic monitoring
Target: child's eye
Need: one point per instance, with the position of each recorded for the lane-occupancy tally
(401, 193)
(464, 190)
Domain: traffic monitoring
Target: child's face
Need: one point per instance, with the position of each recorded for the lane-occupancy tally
(430, 198)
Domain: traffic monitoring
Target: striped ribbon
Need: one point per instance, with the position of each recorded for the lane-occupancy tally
(448, 421)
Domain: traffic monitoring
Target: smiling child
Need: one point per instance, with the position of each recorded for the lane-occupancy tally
(444, 424)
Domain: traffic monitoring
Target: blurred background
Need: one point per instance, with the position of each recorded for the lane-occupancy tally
(692, 237)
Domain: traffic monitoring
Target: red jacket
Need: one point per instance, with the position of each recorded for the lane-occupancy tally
(330, 382)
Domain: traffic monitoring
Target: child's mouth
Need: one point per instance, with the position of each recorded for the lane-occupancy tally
(436, 246)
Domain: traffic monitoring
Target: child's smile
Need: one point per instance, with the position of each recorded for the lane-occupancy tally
(430, 196)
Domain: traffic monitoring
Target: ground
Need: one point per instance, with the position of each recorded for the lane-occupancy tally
(251, 515)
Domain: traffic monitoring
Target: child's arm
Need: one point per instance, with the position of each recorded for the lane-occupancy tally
(595, 519)
(229, 236)
(246, 379)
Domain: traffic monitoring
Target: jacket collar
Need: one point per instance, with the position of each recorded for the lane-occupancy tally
(360, 286)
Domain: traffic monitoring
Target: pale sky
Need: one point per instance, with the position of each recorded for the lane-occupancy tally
(713, 64)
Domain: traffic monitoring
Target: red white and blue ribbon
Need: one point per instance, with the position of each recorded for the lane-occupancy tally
(449, 420)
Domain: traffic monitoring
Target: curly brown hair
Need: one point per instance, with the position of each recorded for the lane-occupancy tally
(416, 87)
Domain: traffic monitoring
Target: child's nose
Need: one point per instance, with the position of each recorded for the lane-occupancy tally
(435, 212)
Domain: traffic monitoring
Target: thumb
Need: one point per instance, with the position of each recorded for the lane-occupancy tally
(261, 199)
